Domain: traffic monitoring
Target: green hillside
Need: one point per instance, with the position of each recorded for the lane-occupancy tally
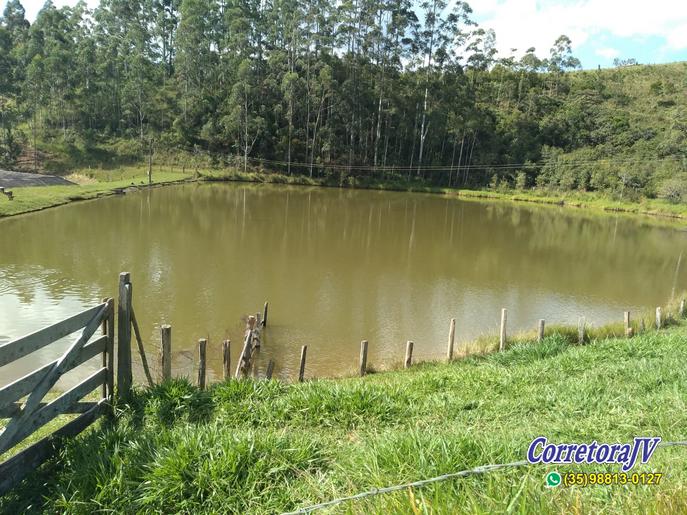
(396, 90)
(627, 133)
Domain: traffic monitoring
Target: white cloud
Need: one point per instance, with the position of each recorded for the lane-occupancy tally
(676, 39)
(524, 23)
(608, 53)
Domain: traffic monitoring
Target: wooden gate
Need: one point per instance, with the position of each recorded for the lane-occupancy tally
(34, 413)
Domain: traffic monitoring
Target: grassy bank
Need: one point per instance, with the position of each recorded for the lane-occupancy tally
(593, 201)
(97, 183)
(35, 198)
(585, 200)
(265, 447)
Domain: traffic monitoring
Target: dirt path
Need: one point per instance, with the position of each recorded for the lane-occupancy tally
(18, 179)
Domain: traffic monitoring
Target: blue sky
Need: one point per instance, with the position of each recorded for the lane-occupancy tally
(601, 30)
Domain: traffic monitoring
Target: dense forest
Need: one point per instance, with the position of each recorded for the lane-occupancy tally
(311, 87)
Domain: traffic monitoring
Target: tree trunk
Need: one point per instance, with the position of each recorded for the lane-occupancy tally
(460, 155)
(423, 133)
(379, 127)
(245, 129)
(472, 148)
(453, 156)
(412, 152)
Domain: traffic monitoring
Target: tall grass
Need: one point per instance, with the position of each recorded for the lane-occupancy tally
(265, 447)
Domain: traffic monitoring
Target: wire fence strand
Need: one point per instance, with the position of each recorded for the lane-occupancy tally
(483, 469)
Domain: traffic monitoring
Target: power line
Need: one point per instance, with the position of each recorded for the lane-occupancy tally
(468, 167)
(483, 469)
(571, 163)
(387, 489)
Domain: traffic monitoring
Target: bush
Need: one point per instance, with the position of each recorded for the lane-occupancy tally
(521, 181)
(494, 182)
(673, 190)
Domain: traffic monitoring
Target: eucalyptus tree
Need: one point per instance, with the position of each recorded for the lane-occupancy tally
(285, 40)
(367, 83)
(317, 35)
(437, 40)
(130, 55)
(86, 69)
(13, 32)
(348, 41)
(243, 105)
(195, 56)
(16, 27)
(9, 112)
(16, 30)
(561, 59)
(52, 39)
(7, 81)
(482, 49)
(164, 31)
(241, 120)
(140, 54)
(389, 46)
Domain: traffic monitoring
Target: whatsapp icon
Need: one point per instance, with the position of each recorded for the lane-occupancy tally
(553, 479)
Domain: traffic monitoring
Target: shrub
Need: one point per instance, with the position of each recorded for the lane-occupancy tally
(673, 190)
(521, 181)
(494, 182)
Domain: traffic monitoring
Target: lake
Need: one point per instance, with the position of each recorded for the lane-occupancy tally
(337, 266)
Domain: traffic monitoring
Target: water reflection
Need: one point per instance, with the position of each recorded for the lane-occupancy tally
(337, 266)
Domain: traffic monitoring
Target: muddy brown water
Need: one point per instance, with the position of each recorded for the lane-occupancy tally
(337, 266)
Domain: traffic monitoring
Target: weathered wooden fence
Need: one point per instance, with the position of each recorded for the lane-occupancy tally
(246, 365)
(126, 321)
(252, 341)
(25, 418)
(28, 417)
(128, 328)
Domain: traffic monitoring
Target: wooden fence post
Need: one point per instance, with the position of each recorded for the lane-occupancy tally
(581, 330)
(110, 350)
(124, 373)
(628, 328)
(256, 330)
(409, 355)
(659, 318)
(451, 338)
(141, 349)
(270, 369)
(108, 355)
(540, 330)
(363, 358)
(502, 338)
(226, 359)
(202, 363)
(166, 352)
(105, 332)
(301, 370)
(245, 356)
(681, 311)
(264, 314)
